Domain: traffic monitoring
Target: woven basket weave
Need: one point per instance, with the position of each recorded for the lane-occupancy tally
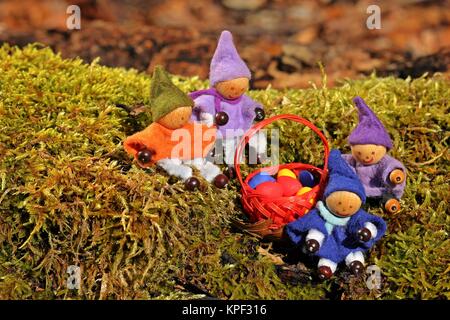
(269, 215)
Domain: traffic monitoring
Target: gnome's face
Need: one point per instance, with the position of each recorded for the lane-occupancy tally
(368, 154)
(232, 89)
(177, 118)
(343, 203)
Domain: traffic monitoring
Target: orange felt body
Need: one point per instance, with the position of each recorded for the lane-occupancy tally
(193, 140)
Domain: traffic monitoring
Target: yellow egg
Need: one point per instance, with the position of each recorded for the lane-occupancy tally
(286, 173)
(305, 190)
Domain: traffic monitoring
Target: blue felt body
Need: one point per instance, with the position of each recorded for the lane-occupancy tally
(342, 240)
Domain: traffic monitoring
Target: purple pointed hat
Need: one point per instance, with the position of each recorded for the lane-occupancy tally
(370, 130)
(226, 63)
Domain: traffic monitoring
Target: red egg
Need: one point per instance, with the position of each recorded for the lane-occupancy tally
(270, 189)
(290, 185)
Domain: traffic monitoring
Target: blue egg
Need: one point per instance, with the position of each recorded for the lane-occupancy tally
(306, 179)
(260, 178)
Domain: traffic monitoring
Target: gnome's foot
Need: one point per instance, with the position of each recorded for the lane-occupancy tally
(192, 184)
(221, 181)
(392, 205)
(356, 267)
(324, 272)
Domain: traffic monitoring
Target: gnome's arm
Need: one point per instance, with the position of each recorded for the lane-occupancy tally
(374, 224)
(297, 229)
(249, 108)
(390, 164)
(204, 110)
(148, 139)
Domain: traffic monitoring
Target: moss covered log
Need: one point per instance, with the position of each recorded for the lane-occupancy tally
(69, 195)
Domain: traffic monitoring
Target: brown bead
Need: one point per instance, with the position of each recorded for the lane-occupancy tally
(324, 272)
(356, 267)
(221, 118)
(392, 205)
(259, 114)
(364, 234)
(221, 181)
(145, 156)
(312, 245)
(230, 172)
(192, 184)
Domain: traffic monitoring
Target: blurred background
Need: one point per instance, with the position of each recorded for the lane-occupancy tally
(281, 40)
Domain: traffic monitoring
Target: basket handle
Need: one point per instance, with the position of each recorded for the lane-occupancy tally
(251, 132)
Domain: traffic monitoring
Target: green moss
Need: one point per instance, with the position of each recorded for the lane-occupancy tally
(68, 195)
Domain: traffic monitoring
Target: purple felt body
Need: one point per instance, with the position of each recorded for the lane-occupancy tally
(375, 177)
(241, 112)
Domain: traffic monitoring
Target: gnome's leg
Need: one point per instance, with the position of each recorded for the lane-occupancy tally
(174, 167)
(354, 256)
(327, 263)
(207, 169)
(355, 262)
(326, 268)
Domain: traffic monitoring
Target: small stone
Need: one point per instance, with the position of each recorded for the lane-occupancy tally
(299, 52)
(243, 4)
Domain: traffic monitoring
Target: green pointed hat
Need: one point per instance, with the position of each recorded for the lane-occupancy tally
(165, 96)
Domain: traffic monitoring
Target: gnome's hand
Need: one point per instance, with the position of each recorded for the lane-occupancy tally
(144, 156)
(364, 234)
(397, 176)
(312, 245)
(259, 114)
(207, 118)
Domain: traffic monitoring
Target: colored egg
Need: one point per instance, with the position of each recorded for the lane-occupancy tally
(260, 178)
(270, 189)
(290, 185)
(307, 179)
(286, 173)
(303, 191)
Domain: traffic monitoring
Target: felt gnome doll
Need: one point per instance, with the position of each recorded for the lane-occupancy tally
(226, 104)
(383, 177)
(172, 141)
(338, 230)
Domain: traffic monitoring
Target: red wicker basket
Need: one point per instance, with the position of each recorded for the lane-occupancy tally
(269, 215)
